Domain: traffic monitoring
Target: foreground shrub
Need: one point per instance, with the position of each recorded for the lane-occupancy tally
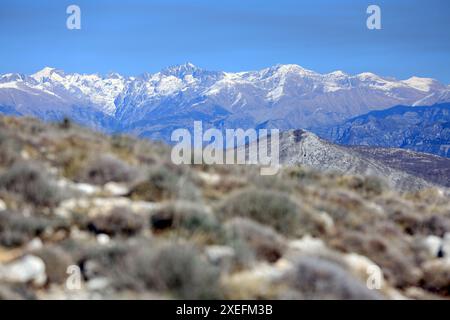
(437, 276)
(9, 149)
(27, 180)
(17, 229)
(369, 185)
(13, 291)
(265, 243)
(268, 207)
(106, 168)
(390, 251)
(318, 278)
(164, 183)
(96, 260)
(184, 215)
(56, 262)
(119, 221)
(178, 269)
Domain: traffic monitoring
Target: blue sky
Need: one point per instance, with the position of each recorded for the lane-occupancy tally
(136, 36)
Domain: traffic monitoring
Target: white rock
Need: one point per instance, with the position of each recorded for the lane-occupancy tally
(97, 284)
(83, 188)
(103, 239)
(24, 154)
(35, 244)
(446, 245)
(220, 255)
(116, 189)
(77, 234)
(363, 267)
(209, 178)
(433, 245)
(307, 245)
(26, 269)
(99, 206)
(144, 206)
(326, 220)
(86, 188)
(2, 205)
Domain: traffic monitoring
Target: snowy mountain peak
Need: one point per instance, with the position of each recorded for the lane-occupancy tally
(422, 84)
(114, 75)
(10, 77)
(282, 70)
(368, 76)
(181, 70)
(337, 74)
(48, 73)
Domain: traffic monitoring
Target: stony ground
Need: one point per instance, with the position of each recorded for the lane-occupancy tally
(83, 215)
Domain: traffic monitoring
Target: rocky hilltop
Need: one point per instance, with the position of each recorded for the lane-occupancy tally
(401, 169)
(83, 215)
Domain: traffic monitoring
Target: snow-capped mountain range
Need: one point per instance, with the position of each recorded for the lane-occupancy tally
(152, 105)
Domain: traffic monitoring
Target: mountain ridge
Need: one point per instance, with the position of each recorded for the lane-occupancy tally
(151, 105)
(423, 129)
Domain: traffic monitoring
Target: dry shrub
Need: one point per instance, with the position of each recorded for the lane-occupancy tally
(269, 207)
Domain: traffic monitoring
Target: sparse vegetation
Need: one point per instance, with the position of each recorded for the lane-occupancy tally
(138, 226)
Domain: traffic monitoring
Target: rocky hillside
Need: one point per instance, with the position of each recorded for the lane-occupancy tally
(401, 169)
(83, 215)
(429, 167)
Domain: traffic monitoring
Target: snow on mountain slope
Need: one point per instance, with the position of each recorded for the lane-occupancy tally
(287, 96)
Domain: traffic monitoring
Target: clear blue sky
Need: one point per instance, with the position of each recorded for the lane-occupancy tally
(136, 36)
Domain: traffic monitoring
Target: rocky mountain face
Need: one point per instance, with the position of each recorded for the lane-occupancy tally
(403, 170)
(429, 167)
(424, 129)
(152, 105)
(90, 216)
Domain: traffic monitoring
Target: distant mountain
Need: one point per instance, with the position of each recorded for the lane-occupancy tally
(424, 129)
(152, 105)
(403, 170)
